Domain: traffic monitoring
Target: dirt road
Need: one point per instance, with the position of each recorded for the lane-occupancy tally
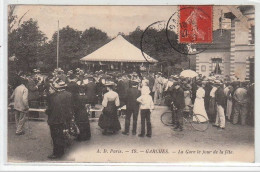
(235, 143)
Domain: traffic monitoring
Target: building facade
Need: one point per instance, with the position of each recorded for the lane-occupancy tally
(216, 57)
(236, 55)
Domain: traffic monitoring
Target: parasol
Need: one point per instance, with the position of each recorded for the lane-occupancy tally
(189, 73)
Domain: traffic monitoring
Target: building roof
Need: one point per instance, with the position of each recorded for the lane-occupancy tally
(118, 50)
(244, 8)
(220, 41)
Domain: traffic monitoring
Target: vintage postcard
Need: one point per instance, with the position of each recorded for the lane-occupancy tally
(130, 84)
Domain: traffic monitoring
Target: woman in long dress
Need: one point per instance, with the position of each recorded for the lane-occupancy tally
(199, 107)
(229, 102)
(109, 119)
(212, 105)
(82, 117)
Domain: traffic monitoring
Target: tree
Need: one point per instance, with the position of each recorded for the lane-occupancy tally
(92, 39)
(155, 43)
(13, 19)
(135, 37)
(24, 43)
(73, 45)
(69, 47)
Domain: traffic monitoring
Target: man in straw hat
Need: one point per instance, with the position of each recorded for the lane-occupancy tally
(60, 113)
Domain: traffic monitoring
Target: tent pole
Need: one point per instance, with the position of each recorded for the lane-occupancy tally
(121, 67)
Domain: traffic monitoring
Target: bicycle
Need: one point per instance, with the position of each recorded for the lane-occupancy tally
(197, 121)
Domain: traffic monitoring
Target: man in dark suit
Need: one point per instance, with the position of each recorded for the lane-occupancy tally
(208, 88)
(179, 103)
(91, 93)
(122, 87)
(33, 96)
(132, 107)
(59, 113)
(73, 88)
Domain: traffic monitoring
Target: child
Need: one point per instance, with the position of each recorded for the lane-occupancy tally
(146, 106)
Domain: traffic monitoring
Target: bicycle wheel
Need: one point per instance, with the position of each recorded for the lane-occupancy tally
(199, 122)
(166, 118)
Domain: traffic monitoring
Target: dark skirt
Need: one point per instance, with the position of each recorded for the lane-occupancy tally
(84, 129)
(108, 119)
(82, 121)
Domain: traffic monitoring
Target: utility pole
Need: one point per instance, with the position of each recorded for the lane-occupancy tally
(220, 23)
(58, 40)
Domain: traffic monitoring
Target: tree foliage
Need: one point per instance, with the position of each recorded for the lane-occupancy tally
(154, 43)
(92, 39)
(69, 46)
(13, 20)
(25, 44)
(32, 50)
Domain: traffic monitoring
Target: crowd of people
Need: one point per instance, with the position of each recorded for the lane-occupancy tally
(216, 98)
(66, 96)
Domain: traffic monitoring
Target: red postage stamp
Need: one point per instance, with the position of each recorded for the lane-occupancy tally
(195, 24)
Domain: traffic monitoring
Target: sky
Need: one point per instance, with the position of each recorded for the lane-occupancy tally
(110, 19)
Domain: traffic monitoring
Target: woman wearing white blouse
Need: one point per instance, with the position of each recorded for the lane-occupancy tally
(109, 119)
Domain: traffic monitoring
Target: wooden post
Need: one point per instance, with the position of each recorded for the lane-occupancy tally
(121, 67)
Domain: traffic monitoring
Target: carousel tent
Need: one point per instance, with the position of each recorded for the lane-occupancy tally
(118, 50)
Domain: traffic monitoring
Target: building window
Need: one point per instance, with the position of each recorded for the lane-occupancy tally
(203, 68)
(216, 64)
(252, 32)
